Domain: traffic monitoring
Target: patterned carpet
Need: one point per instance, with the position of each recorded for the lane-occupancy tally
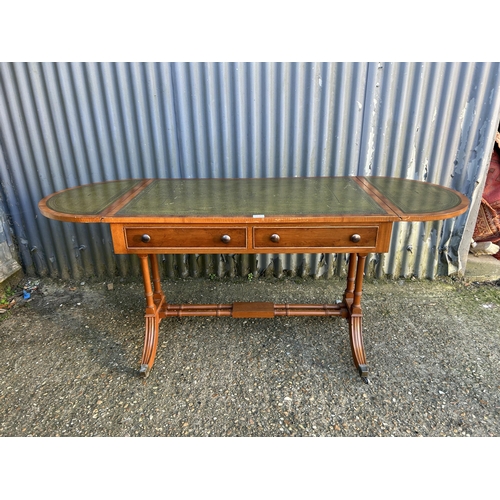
(488, 219)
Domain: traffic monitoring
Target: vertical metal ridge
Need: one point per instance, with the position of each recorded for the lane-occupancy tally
(10, 160)
(63, 124)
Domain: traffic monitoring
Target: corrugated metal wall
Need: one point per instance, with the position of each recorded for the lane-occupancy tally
(8, 264)
(64, 124)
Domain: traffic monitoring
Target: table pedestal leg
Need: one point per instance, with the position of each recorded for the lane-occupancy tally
(154, 302)
(352, 301)
(157, 308)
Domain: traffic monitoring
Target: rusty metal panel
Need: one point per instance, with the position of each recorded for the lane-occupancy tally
(64, 124)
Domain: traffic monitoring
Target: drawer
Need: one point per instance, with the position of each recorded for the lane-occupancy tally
(175, 238)
(326, 237)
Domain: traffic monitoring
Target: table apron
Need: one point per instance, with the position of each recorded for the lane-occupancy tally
(144, 238)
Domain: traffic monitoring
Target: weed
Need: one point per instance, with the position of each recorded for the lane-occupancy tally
(6, 296)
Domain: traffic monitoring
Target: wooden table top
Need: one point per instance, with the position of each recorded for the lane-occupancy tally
(321, 199)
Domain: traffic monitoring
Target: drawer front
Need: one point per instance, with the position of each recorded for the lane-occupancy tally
(332, 237)
(174, 238)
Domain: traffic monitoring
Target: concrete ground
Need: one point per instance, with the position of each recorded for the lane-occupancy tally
(482, 268)
(69, 360)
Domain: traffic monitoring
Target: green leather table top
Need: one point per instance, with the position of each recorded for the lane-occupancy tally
(381, 198)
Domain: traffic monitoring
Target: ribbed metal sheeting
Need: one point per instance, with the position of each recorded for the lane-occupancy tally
(65, 124)
(8, 264)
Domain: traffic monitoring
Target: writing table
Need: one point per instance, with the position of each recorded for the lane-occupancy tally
(351, 215)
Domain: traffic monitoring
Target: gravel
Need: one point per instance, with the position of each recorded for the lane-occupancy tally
(69, 359)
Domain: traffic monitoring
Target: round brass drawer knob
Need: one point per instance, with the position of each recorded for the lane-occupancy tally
(355, 238)
(145, 238)
(225, 238)
(275, 238)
